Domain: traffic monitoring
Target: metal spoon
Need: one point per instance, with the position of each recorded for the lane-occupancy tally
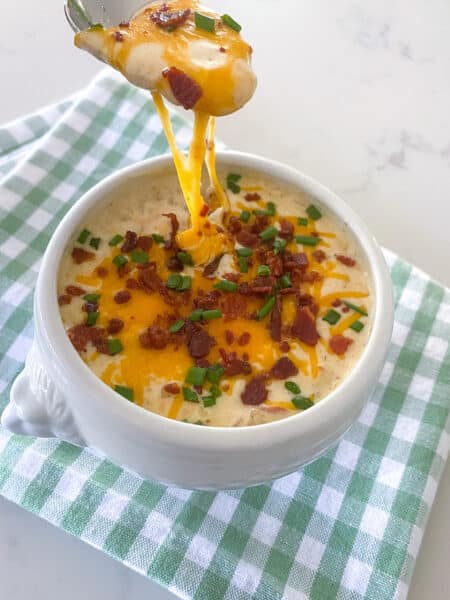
(82, 14)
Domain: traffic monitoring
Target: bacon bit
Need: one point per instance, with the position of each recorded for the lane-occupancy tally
(275, 264)
(204, 211)
(64, 299)
(253, 197)
(102, 272)
(339, 344)
(346, 260)
(118, 36)
(154, 337)
(199, 342)
(304, 326)
(307, 300)
(74, 290)
(149, 280)
(168, 20)
(171, 243)
(174, 264)
(234, 277)
(80, 255)
(229, 337)
(294, 262)
(336, 303)
(233, 306)
(114, 326)
(257, 287)
(81, 335)
(345, 309)
(185, 90)
(132, 284)
(287, 291)
(319, 256)
(247, 239)
(212, 267)
(172, 388)
(130, 241)
(144, 242)
(122, 297)
(124, 24)
(244, 338)
(234, 365)
(261, 222)
(123, 270)
(286, 230)
(284, 346)
(208, 300)
(314, 234)
(222, 49)
(311, 277)
(283, 368)
(234, 225)
(255, 392)
(275, 321)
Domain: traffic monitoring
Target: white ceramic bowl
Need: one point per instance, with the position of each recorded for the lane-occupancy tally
(57, 395)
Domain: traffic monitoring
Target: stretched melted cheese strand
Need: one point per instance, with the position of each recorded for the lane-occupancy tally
(221, 199)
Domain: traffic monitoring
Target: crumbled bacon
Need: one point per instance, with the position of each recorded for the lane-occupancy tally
(118, 36)
(171, 242)
(123, 270)
(346, 309)
(102, 272)
(247, 239)
(260, 286)
(339, 344)
(346, 260)
(208, 300)
(229, 337)
(132, 284)
(234, 277)
(307, 300)
(234, 365)
(336, 303)
(199, 342)
(174, 264)
(284, 346)
(74, 290)
(114, 326)
(319, 256)
(304, 326)
(81, 335)
(122, 297)
(275, 264)
(311, 277)
(149, 279)
(283, 368)
(255, 392)
(260, 223)
(252, 197)
(286, 230)
(234, 225)
(204, 211)
(130, 241)
(172, 388)
(212, 267)
(144, 242)
(80, 255)
(233, 306)
(275, 321)
(185, 90)
(64, 299)
(244, 338)
(154, 337)
(294, 262)
(170, 19)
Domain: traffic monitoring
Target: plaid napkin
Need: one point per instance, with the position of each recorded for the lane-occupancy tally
(348, 526)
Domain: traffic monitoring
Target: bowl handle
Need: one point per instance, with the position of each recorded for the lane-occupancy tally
(36, 407)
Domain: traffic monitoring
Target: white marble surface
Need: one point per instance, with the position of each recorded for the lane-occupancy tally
(356, 94)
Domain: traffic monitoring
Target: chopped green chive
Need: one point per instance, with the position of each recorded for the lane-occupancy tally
(271, 208)
(204, 22)
(209, 401)
(285, 281)
(245, 216)
(269, 233)
(91, 297)
(174, 282)
(186, 284)
(189, 395)
(115, 240)
(313, 212)
(196, 315)
(302, 403)
(307, 240)
(185, 258)
(263, 271)
(175, 328)
(357, 309)
(92, 318)
(226, 286)
(96, 27)
(94, 243)
(209, 315)
(230, 22)
(234, 177)
(114, 347)
(82, 238)
(243, 264)
(357, 326)
(266, 309)
(120, 260)
(332, 317)
(214, 373)
(232, 182)
(244, 252)
(158, 239)
(215, 391)
(302, 221)
(292, 387)
(278, 246)
(196, 376)
(126, 392)
(138, 256)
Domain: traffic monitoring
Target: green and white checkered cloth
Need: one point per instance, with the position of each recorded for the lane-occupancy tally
(348, 526)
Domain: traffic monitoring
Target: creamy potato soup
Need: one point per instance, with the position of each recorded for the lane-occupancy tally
(268, 327)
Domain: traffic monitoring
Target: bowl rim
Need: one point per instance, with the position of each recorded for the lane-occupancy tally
(65, 365)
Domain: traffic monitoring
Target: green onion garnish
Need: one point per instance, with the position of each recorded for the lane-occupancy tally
(278, 246)
(213, 374)
(245, 216)
(138, 256)
(174, 282)
(226, 286)
(313, 212)
(230, 22)
(176, 326)
(115, 240)
(357, 326)
(209, 315)
(266, 309)
(92, 318)
(268, 212)
(204, 22)
(120, 260)
(215, 391)
(189, 395)
(307, 240)
(185, 258)
(292, 387)
(302, 403)
(196, 315)
(232, 182)
(196, 376)
(263, 271)
(302, 221)
(186, 284)
(91, 297)
(209, 401)
(94, 243)
(114, 347)
(357, 309)
(82, 238)
(243, 264)
(271, 208)
(269, 233)
(158, 239)
(285, 281)
(244, 252)
(126, 392)
(332, 317)
(96, 27)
